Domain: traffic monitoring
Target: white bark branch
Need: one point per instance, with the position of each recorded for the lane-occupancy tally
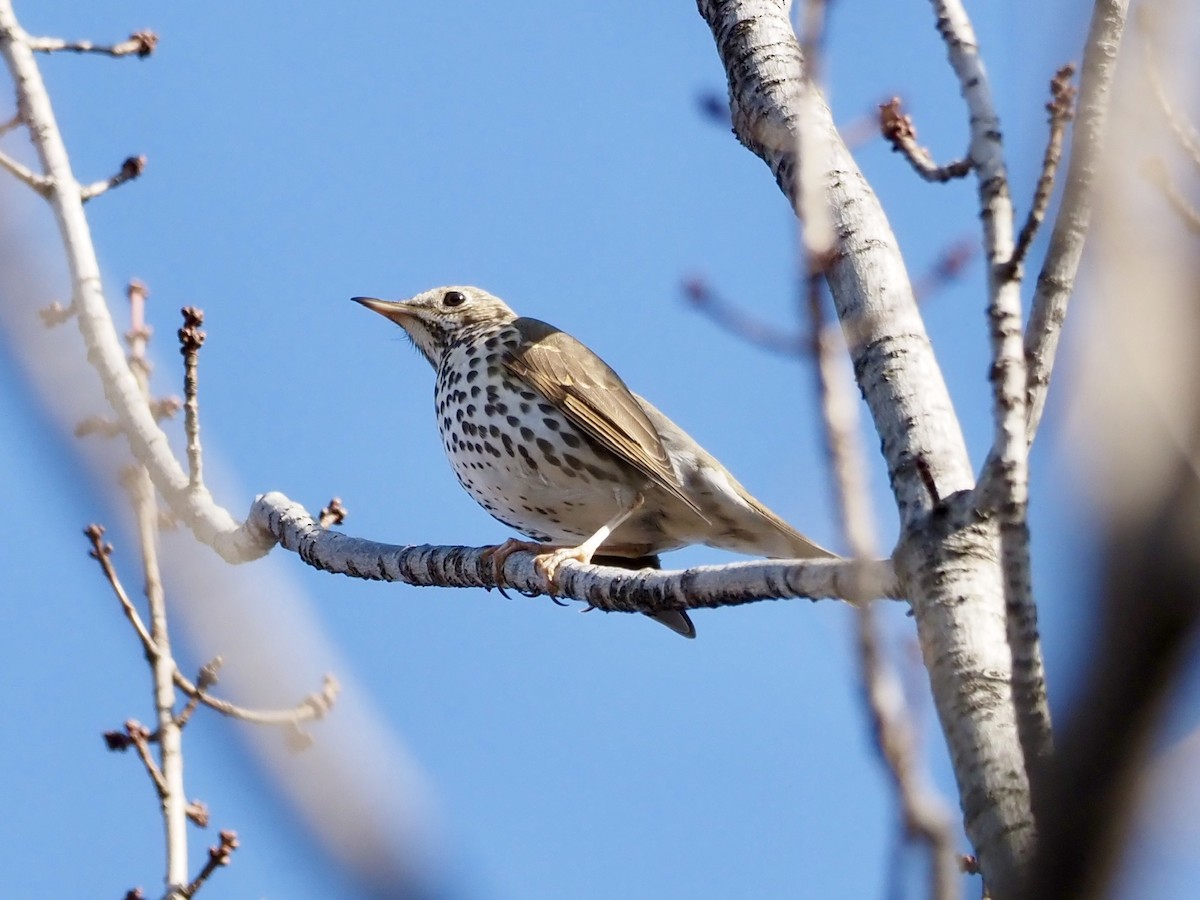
(1056, 281)
(140, 44)
(25, 175)
(946, 565)
(212, 524)
(1004, 487)
(606, 588)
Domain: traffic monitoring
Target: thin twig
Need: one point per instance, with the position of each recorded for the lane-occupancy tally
(313, 707)
(165, 407)
(761, 334)
(132, 168)
(1184, 131)
(218, 856)
(1061, 109)
(899, 130)
(206, 679)
(1156, 171)
(947, 268)
(55, 314)
(197, 813)
(40, 183)
(210, 522)
(191, 339)
(97, 425)
(333, 513)
(139, 334)
(102, 553)
(140, 44)
(145, 509)
(10, 124)
(139, 738)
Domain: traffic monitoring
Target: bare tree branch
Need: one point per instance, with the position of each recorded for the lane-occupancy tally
(1056, 280)
(191, 339)
(26, 175)
(900, 131)
(218, 856)
(132, 168)
(607, 588)
(939, 559)
(1184, 131)
(925, 814)
(1156, 171)
(1004, 488)
(1061, 110)
(194, 506)
(102, 553)
(140, 44)
(162, 661)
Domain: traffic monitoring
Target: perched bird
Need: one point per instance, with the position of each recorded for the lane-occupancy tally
(549, 440)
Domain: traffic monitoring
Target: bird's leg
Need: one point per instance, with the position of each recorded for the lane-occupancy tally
(548, 563)
(549, 558)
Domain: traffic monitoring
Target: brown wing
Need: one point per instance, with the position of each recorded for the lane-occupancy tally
(594, 398)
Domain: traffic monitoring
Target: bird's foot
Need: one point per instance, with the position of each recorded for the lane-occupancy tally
(499, 555)
(547, 563)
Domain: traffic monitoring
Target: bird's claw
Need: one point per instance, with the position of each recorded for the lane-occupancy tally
(499, 555)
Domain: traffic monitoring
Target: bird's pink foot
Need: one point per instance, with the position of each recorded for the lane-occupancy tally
(547, 563)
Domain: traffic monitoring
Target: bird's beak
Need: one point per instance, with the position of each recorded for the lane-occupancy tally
(395, 310)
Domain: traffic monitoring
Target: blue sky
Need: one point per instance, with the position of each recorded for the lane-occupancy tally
(556, 155)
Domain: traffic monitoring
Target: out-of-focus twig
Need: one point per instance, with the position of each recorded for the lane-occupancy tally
(1156, 171)
(761, 334)
(333, 513)
(924, 814)
(1184, 130)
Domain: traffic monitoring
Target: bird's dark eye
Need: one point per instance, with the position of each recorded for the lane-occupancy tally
(454, 298)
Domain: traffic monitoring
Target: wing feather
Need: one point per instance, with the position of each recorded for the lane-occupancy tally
(595, 399)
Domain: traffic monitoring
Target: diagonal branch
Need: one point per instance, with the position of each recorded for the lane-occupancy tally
(964, 644)
(1056, 281)
(26, 175)
(1061, 110)
(102, 553)
(218, 856)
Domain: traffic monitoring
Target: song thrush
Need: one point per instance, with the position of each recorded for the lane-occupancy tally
(549, 440)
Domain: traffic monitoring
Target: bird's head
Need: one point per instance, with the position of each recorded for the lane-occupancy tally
(433, 319)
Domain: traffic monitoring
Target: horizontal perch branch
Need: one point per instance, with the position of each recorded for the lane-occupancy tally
(609, 589)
